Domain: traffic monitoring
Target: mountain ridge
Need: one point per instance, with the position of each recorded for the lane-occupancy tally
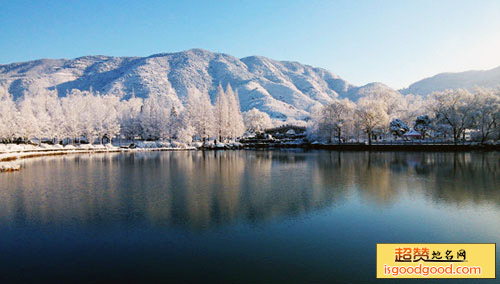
(283, 89)
(455, 80)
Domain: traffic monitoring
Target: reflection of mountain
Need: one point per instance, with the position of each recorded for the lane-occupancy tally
(204, 189)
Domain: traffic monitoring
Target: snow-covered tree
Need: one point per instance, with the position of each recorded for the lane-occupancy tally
(454, 110)
(29, 125)
(222, 114)
(334, 118)
(9, 117)
(87, 115)
(423, 124)
(200, 114)
(487, 112)
(372, 115)
(412, 107)
(41, 114)
(228, 117)
(175, 123)
(109, 115)
(398, 127)
(257, 121)
(236, 127)
(154, 117)
(394, 104)
(56, 114)
(72, 109)
(184, 131)
(129, 112)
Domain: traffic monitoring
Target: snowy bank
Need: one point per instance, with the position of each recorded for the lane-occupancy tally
(219, 146)
(12, 152)
(9, 167)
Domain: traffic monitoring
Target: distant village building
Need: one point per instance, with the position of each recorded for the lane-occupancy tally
(413, 134)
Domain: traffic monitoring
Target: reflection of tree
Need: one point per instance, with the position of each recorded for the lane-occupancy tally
(465, 177)
(333, 176)
(382, 176)
(375, 176)
(203, 189)
(447, 177)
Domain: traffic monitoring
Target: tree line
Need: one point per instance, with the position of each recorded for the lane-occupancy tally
(380, 114)
(448, 115)
(94, 117)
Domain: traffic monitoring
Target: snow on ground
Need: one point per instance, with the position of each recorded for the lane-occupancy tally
(198, 145)
(219, 145)
(9, 166)
(154, 144)
(10, 152)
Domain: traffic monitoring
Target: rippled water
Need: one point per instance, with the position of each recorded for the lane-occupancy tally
(237, 216)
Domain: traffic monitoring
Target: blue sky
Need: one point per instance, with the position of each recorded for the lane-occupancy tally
(394, 42)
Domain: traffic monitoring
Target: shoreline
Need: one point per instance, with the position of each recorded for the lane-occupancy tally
(378, 147)
(8, 160)
(409, 148)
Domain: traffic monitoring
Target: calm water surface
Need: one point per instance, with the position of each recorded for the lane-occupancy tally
(237, 216)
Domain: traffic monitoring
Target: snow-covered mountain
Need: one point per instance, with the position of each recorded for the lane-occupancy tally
(283, 89)
(465, 80)
(355, 93)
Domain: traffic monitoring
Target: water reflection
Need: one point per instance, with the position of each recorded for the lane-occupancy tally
(205, 189)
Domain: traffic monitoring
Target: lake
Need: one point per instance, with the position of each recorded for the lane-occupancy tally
(284, 216)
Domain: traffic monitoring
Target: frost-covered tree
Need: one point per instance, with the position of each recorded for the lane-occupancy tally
(334, 118)
(175, 123)
(371, 115)
(154, 117)
(395, 105)
(384, 103)
(454, 109)
(56, 114)
(40, 114)
(228, 117)
(90, 115)
(487, 112)
(109, 115)
(235, 125)
(200, 114)
(29, 125)
(423, 124)
(398, 127)
(9, 117)
(222, 114)
(412, 107)
(257, 121)
(128, 113)
(87, 115)
(184, 131)
(73, 109)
